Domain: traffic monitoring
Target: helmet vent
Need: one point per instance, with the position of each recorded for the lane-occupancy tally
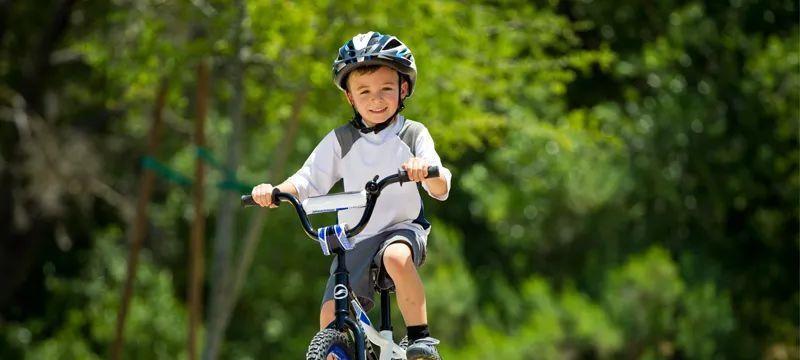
(392, 44)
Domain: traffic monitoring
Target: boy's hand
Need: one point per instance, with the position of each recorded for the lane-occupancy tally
(417, 169)
(262, 194)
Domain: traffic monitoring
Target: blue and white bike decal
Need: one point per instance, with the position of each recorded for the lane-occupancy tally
(341, 237)
(338, 353)
(361, 315)
(323, 241)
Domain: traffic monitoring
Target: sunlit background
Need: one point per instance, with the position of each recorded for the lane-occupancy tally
(625, 175)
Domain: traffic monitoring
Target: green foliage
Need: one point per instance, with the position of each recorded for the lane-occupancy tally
(625, 173)
(705, 325)
(643, 297)
(546, 325)
(649, 300)
(84, 310)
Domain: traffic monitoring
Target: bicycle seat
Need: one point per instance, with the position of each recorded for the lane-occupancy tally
(381, 280)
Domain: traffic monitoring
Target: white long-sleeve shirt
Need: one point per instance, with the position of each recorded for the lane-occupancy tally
(346, 153)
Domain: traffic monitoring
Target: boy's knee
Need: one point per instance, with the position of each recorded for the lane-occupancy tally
(326, 314)
(397, 256)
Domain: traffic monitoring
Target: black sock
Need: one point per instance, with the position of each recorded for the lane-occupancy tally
(417, 332)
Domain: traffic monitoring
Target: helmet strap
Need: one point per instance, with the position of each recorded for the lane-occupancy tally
(358, 121)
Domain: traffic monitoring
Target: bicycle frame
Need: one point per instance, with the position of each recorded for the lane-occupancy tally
(343, 296)
(383, 338)
(345, 302)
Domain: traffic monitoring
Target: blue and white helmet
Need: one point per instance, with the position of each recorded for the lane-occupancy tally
(374, 48)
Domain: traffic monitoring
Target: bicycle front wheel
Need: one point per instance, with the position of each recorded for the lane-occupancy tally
(330, 342)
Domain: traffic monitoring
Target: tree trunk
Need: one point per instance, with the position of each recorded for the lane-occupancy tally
(226, 213)
(197, 243)
(140, 222)
(4, 6)
(37, 70)
(256, 223)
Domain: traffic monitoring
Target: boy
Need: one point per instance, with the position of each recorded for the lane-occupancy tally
(377, 72)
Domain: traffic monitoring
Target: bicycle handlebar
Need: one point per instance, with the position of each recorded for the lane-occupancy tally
(373, 189)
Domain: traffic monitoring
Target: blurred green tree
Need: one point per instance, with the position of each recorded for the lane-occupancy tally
(626, 174)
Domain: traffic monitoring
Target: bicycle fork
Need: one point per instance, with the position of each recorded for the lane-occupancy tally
(341, 293)
(383, 339)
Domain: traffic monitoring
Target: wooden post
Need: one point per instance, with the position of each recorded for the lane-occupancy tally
(139, 231)
(197, 243)
(228, 200)
(245, 255)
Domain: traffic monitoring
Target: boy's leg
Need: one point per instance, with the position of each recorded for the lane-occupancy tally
(399, 263)
(326, 315)
(398, 260)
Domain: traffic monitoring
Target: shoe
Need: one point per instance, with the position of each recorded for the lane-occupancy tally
(423, 349)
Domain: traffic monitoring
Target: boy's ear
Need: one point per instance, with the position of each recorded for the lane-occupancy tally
(404, 89)
(349, 97)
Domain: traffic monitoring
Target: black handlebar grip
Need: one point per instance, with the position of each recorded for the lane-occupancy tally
(275, 200)
(433, 172)
(247, 200)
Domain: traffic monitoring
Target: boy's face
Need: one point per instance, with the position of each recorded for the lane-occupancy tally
(375, 94)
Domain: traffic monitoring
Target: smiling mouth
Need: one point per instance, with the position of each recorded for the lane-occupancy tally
(378, 111)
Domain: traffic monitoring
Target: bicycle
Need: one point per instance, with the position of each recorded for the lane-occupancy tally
(344, 338)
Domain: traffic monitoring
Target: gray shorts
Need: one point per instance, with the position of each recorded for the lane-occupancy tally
(368, 253)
